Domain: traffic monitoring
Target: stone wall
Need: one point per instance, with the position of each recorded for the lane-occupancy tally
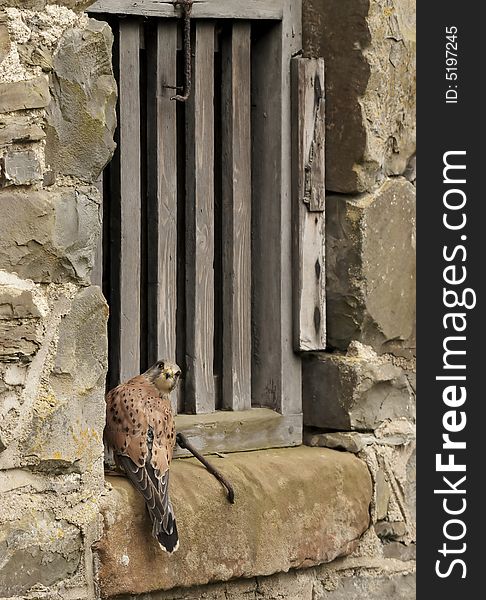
(350, 579)
(359, 396)
(57, 117)
(295, 508)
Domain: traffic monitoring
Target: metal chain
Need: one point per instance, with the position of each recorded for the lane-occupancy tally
(186, 6)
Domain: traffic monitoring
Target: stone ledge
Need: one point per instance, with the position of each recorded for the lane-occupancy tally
(295, 508)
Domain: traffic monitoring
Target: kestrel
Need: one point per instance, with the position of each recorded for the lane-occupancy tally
(141, 434)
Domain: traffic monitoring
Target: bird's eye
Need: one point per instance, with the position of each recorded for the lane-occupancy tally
(161, 364)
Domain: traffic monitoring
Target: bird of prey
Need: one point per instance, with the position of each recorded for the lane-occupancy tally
(141, 434)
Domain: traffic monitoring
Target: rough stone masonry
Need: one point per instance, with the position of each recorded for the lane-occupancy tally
(57, 118)
(359, 395)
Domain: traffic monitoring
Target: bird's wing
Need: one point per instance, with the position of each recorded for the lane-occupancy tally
(162, 421)
(140, 430)
(127, 421)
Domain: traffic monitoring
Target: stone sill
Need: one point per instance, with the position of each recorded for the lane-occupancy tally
(295, 508)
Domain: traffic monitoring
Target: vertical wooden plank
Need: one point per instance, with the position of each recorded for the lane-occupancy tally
(162, 195)
(130, 198)
(199, 384)
(309, 203)
(291, 399)
(97, 272)
(267, 359)
(236, 167)
(276, 369)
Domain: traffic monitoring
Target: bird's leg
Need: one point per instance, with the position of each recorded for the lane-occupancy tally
(184, 443)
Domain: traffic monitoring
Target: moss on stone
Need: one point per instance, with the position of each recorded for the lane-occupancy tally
(295, 507)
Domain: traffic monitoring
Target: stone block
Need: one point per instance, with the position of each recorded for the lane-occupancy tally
(399, 586)
(397, 466)
(399, 551)
(21, 308)
(20, 168)
(27, 4)
(370, 266)
(410, 484)
(397, 432)
(20, 130)
(77, 5)
(82, 345)
(4, 40)
(68, 421)
(37, 550)
(37, 55)
(340, 440)
(48, 522)
(390, 530)
(20, 298)
(81, 116)
(22, 95)
(294, 508)
(18, 339)
(382, 495)
(49, 236)
(369, 49)
(342, 391)
(356, 584)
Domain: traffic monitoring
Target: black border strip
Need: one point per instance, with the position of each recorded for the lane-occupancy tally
(450, 127)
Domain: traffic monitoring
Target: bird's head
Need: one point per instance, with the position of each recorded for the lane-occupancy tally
(164, 375)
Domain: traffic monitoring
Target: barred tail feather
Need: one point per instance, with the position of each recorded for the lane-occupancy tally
(156, 495)
(165, 533)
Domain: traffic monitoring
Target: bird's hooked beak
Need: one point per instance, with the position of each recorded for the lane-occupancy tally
(170, 378)
(174, 374)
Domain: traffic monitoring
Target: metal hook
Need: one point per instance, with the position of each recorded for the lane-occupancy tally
(186, 6)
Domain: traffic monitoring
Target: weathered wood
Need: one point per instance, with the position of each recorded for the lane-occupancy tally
(310, 129)
(309, 196)
(162, 195)
(206, 9)
(199, 381)
(97, 272)
(130, 198)
(276, 370)
(237, 431)
(236, 169)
